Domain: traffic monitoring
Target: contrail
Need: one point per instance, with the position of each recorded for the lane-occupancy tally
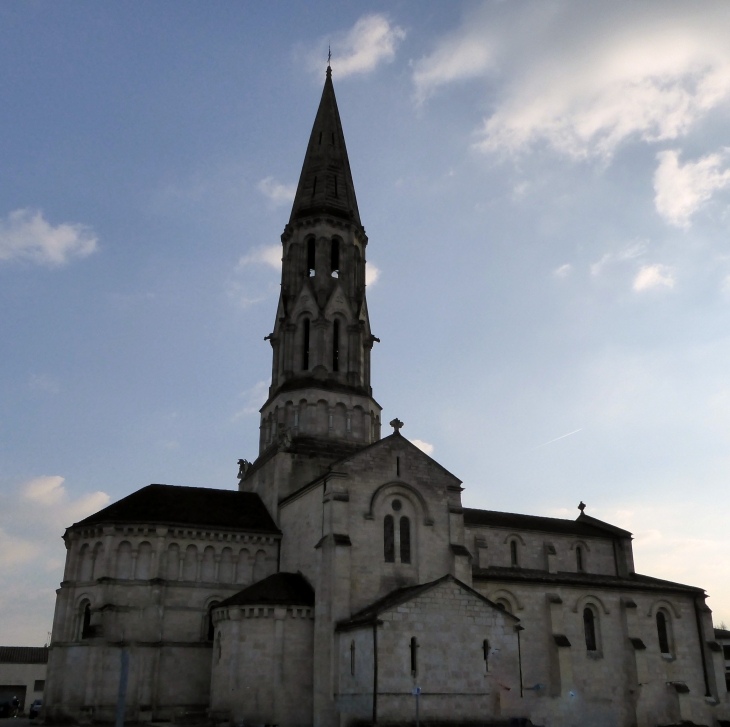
(556, 439)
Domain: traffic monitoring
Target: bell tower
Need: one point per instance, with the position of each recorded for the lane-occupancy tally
(320, 400)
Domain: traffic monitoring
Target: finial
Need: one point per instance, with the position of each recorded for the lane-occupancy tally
(396, 424)
(582, 506)
(329, 55)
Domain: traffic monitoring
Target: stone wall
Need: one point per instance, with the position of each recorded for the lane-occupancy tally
(450, 625)
(262, 665)
(620, 683)
(149, 591)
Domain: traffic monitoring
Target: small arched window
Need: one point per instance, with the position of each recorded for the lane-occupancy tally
(513, 553)
(405, 540)
(389, 538)
(352, 658)
(589, 626)
(86, 621)
(485, 651)
(305, 346)
(336, 345)
(311, 253)
(335, 257)
(579, 559)
(662, 632)
(210, 630)
(504, 605)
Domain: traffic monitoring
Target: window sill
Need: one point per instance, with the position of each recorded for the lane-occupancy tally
(668, 657)
(595, 655)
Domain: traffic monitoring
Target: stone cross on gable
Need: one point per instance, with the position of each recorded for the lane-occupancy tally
(396, 424)
(582, 506)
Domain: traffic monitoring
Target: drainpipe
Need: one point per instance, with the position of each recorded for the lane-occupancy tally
(519, 628)
(375, 672)
(700, 636)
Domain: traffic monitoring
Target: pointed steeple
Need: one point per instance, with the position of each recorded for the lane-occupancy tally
(325, 184)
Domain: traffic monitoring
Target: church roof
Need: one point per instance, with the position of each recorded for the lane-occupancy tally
(722, 634)
(401, 595)
(583, 525)
(23, 654)
(634, 581)
(279, 589)
(325, 184)
(199, 506)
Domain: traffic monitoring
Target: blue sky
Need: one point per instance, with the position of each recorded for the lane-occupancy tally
(545, 186)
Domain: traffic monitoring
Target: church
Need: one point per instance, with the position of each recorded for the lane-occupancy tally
(344, 582)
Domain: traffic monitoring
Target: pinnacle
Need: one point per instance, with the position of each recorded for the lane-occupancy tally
(325, 184)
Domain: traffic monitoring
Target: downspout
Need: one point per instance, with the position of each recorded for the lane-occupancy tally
(278, 555)
(375, 672)
(708, 693)
(519, 628)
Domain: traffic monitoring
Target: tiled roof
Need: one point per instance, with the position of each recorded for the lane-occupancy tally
(583, 525)
(198, 506)
(280, 589)
(23, 654)
(722, 634)
(401, 595)
(529, 575)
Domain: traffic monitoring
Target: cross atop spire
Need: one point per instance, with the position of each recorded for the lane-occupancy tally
(325, 184)
(329, 55)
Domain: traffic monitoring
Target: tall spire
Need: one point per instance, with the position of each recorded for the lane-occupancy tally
(325, 184)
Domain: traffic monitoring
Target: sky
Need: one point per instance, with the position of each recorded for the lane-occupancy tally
(546, 191)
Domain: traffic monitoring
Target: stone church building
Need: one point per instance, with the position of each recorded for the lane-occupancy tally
(345, 572)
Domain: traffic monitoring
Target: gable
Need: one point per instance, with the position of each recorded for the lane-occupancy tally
(386, 446)
(338, 303)
(445, 596)
(306, 302)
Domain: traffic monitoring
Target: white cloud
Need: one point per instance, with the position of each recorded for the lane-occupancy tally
(457, 58)
(654, 91)
(278, 193)
(26, 235)
(371, 41)
(681, 189)
(653, 276)
(45, 490)
(265, 255)
(584, 78)
(372, 273)
(32, 521)
(254, 398)
(629, 252)
(563, 271)
(423, 446)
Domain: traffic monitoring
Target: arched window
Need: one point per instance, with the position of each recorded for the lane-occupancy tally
(389, 538)
(405, 540)
(311, 251)
(513, 553)
(86, 621)
(589, 626)
(352, 658)
(335, 257)
(485, 651)
(305, 346)
(662, 632)
(210, 631)
(414, 656)
(504, 605)
(579, 558)
(336, 346)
